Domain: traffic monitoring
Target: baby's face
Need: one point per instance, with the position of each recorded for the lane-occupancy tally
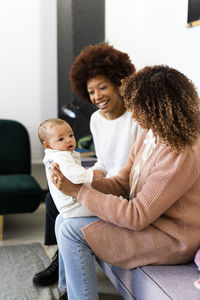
(61, 137)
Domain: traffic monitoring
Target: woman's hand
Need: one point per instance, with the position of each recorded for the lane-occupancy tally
(62, 183)
(98, 174)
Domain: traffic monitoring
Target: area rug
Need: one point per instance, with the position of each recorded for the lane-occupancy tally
(18, 264)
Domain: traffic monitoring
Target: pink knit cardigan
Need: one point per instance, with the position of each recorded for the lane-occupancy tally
(161, 225)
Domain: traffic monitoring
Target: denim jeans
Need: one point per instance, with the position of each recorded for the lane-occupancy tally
(77, 272)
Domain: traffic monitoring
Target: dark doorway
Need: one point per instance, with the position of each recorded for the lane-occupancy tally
(80, 23)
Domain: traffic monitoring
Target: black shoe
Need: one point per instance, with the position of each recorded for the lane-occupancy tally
(63, 297)
(49, 275)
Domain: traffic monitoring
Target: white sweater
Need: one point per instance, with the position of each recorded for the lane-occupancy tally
(113, 140)
(70, 166)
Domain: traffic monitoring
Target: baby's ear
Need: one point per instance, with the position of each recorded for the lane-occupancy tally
(46, 145)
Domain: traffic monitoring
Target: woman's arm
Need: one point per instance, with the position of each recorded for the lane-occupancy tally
(117, 185)
(161, 189)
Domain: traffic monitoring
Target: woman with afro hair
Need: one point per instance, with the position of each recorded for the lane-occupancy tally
(96, 76)
(149, 212)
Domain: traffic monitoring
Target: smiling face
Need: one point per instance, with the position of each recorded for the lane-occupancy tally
(60, 137)
(105, 95)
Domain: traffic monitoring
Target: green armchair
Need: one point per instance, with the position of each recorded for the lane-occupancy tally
(19, 191)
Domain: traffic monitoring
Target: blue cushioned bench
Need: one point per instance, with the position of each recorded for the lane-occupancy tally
(155, 282)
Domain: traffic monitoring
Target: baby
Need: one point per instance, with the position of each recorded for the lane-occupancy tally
(59, 142)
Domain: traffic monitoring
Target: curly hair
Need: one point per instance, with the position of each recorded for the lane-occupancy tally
(100, 59)
(166, 101)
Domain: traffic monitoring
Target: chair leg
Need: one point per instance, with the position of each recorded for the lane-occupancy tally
(1, 227)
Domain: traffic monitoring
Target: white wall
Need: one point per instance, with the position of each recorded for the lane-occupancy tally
(154, 32)
(150, 31)
(28, 64)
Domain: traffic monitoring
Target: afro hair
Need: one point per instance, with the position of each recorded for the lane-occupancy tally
(100, 59)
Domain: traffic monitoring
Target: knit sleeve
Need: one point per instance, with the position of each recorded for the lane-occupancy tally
(170, 178)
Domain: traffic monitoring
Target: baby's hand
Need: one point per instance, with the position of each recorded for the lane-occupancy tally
(98, 174)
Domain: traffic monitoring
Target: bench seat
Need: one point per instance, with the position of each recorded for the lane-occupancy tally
(155, 282)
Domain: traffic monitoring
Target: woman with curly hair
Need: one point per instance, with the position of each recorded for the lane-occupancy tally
(96, 76)
(159, 224)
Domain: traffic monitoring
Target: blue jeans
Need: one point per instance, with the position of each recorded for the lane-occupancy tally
(77, 272)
